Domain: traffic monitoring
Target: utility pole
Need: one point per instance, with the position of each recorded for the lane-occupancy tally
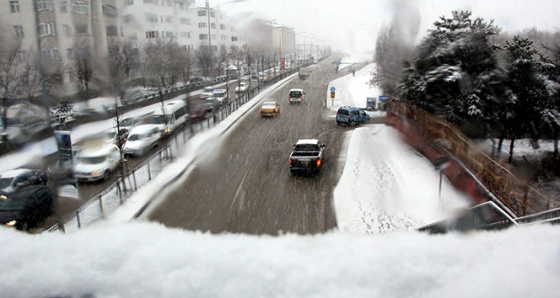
(209, 34)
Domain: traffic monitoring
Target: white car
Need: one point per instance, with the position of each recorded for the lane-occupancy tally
(141, 139)
(96, 163)
(207, 92)
(220, 95)
(242, 87)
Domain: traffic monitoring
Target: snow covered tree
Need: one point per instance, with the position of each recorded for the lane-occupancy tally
(528, 105)
(458, 73)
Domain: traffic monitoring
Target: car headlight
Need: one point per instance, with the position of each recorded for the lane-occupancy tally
(96, 172)
(11, 223)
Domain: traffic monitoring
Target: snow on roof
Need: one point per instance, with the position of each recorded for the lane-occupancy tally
(307, 141)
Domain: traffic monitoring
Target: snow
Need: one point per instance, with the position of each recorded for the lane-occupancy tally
(386, 191)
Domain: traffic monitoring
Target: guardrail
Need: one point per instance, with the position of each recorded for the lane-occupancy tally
(117, 193)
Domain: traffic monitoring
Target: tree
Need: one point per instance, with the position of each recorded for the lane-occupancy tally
(205, 59)
(82, 69)
(456, 74)
(529, 104)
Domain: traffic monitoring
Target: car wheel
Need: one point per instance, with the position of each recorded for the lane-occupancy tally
(106, 175)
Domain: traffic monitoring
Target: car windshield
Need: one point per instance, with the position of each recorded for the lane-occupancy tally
(5, 182)
(159, 119)
(295, 94)
(91, 160)
(127, 122)
(134, 137)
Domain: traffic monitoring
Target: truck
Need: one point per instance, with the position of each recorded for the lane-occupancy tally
(307, 157)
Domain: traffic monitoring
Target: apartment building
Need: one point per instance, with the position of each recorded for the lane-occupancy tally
(183, 21)
(60, 30)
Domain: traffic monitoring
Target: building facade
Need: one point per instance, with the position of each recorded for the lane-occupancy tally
(61, 32)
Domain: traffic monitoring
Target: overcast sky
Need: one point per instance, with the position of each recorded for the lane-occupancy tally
(352, 25)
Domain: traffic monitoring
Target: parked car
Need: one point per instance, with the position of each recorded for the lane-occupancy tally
(296, 95)
(196, 82)
(270, 109)
(26, 207)
(242, 87)
(141, 139)
(96, 163)
(351, 116)
(12, 180)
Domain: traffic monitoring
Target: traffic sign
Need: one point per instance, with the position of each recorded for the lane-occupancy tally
(333, 89)
(332, 94)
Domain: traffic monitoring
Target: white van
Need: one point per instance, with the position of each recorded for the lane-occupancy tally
(172, 115)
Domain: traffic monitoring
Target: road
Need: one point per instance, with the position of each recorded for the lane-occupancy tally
(246, 185)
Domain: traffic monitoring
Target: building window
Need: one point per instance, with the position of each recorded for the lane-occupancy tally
(133, 36)
(213, 36)
(213, 25)
(22, 56)
(151, 34)
(129, 2)
(128, 18)
(222, 27)
(201, 25)
(14, 6)
(151, 2)
(168, 19)
(44, 5)
(223, 37)
(80, 7)
(70, 53)
(50, 54)
(19, 31)
(71, 76)
(203, 36)
(55, 54)
(112, 31)
(151, 18)
(66, 30)
(234, 38)
(186, 35)
(82, 29)
(109, 10)
(202, 13)
(63, 5)
(212, 14)
(47, 29)
(169, 3)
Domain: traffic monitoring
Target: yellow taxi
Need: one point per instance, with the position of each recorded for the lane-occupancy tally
(270, 109)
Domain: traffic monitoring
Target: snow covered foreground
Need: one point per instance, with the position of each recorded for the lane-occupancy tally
(386, 188)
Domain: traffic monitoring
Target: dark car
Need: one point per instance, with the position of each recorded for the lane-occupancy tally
(211, 104)
(351, 116)
(26, 207)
